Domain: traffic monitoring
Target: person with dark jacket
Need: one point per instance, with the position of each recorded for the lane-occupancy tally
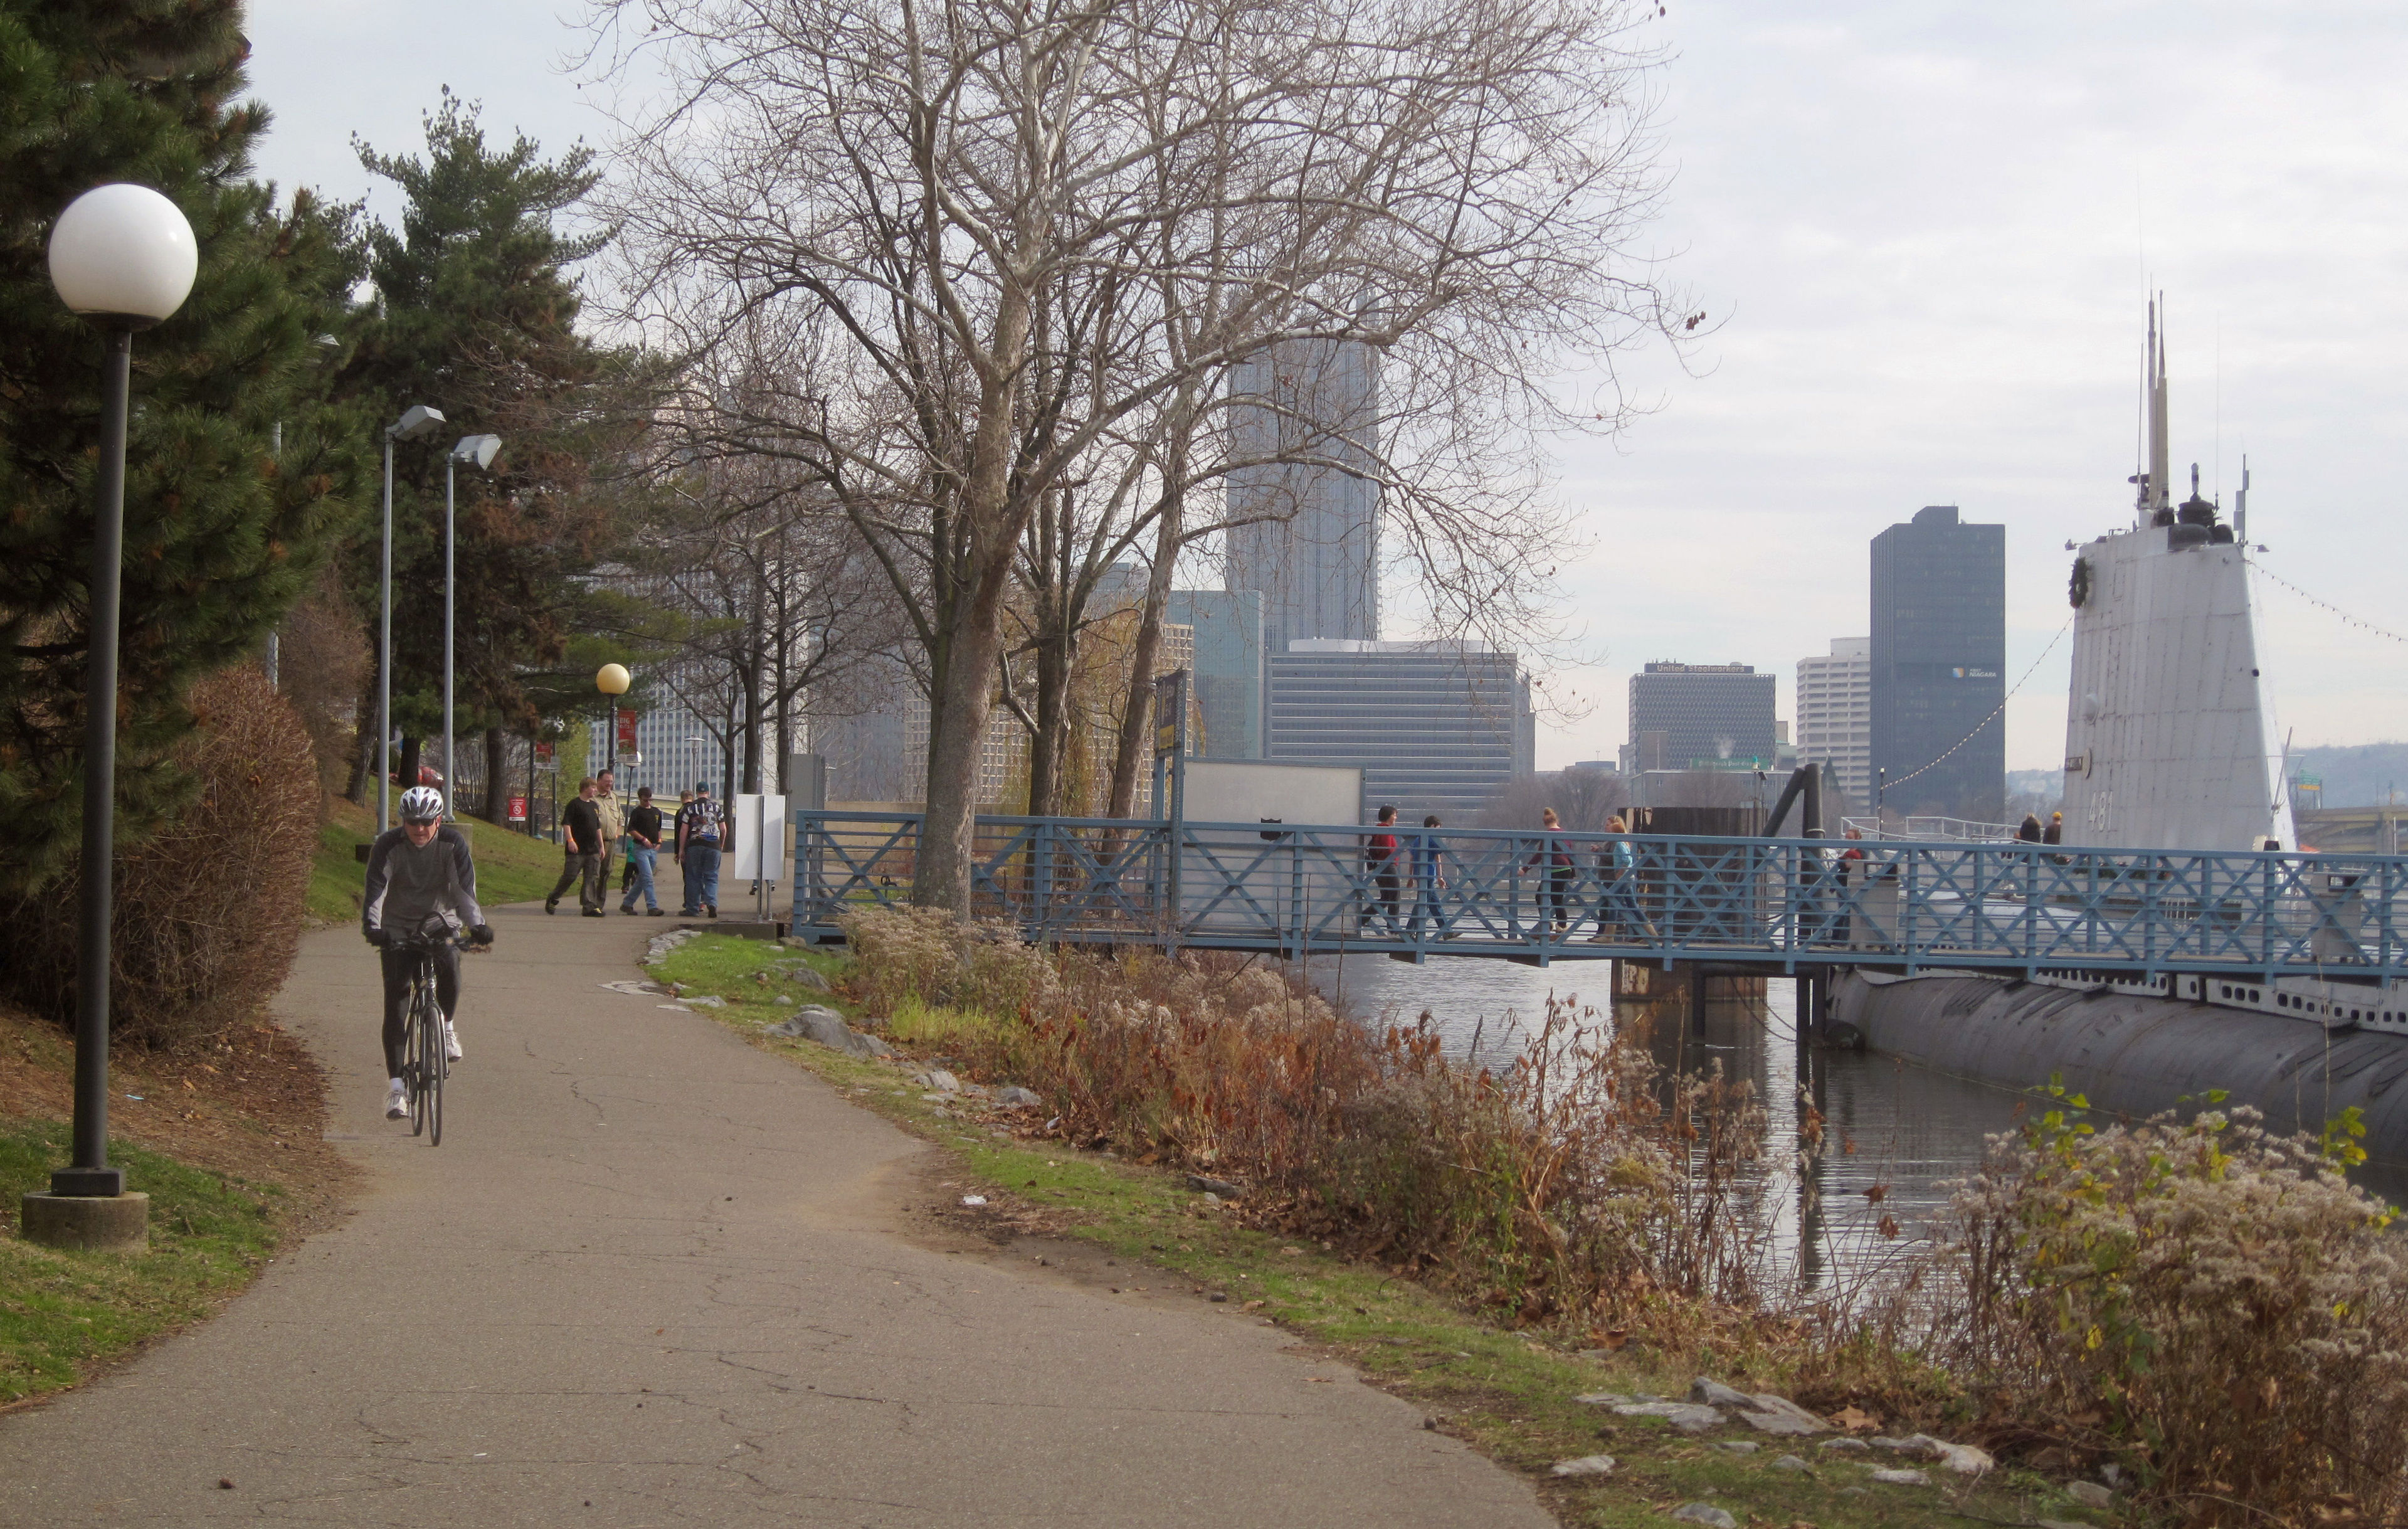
(643, 833)
(2029, 831)
(581, 838)
(697, 831)
(422, 881)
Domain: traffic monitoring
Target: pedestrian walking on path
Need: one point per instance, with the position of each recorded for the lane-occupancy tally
(643, 845)
(581, 828)
(698, 829)
(1555, 893)
(609, 807)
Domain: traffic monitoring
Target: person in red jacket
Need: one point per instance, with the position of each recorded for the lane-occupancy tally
(1379, 858)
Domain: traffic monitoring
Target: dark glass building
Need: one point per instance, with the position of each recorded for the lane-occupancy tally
(1435, 727)
(1702, 716)
(1939, 665)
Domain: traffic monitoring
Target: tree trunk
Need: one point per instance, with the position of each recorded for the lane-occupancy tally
(409, 767)
(498, 789)
(993, 523)
(1169, 532)
(363, 744)
(1051, 741)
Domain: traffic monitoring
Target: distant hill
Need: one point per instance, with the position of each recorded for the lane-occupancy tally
(2356, 776)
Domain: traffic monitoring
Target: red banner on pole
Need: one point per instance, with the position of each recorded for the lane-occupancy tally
(518, 809)
(626, 729)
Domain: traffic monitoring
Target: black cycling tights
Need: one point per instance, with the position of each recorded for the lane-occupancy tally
(399, 967)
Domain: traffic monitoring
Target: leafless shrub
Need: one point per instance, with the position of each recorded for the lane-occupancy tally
(208, 912)
(2219, 1305)
(323, 666)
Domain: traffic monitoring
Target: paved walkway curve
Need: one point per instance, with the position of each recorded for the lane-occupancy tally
(650, 1279)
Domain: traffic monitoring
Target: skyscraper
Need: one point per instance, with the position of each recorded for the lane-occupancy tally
(1435, 727)
(1707, 715)
(1938, 661)
(1229, 627)
(1305, 514)
(1835, 714)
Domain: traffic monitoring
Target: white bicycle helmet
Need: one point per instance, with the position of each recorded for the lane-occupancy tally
(422, 804)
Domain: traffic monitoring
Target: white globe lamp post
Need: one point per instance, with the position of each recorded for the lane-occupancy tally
(123, 257)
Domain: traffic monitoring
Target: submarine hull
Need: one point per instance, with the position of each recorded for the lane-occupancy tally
(2133, 1055)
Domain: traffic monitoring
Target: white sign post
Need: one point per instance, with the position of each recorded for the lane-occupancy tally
(760, 826)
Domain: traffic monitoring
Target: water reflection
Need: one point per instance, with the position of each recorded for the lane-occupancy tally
(1895, 1133)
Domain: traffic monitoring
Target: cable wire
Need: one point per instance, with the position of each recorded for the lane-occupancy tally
(2325, 605)
(1994, 714)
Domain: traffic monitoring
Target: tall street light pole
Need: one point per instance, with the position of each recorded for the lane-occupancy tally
(479, 453)
(417, 420)
(124, 257)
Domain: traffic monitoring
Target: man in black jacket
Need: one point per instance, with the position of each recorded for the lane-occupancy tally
(422, 880)
(581, 833)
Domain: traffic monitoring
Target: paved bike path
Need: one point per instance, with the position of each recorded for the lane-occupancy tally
(650, 1279)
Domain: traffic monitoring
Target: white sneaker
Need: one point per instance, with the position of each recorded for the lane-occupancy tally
(450, 1043)
(396, 1101)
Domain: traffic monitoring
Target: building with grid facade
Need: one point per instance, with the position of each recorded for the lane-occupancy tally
(1702, 717)
(1434, 727)
(1835, 714)
(1305, 510)
(1938, 664)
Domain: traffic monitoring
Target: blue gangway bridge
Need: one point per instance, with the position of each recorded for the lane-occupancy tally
(1797, 907)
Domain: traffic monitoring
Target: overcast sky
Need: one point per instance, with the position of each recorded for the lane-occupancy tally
(1926, 231)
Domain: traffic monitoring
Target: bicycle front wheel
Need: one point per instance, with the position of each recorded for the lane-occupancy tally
(416, 1060)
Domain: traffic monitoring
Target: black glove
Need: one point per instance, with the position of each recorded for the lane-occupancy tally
(482, 934)
(375, 937)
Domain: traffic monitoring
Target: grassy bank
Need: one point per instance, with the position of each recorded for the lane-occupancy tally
(510, 866)
(63, 1313)
(227, 1140)
(1507, 1388)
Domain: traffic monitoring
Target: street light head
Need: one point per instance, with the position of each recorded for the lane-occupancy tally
(612, 679)
(477, 451)
(123, 256)
(417, 420)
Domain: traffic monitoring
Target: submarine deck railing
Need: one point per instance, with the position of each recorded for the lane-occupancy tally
(1772, 905)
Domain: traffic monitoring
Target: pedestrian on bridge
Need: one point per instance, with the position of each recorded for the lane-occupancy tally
(1385, 866)
(1617, 876)
(1556, 853)
(1429, 879)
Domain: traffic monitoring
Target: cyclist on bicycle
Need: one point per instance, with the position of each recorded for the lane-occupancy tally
(421, 885)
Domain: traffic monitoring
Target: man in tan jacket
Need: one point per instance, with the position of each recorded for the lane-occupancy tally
(614, 822)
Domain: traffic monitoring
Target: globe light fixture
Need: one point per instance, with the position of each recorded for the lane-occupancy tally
(477, 452)
(612, 681)
(124, 257)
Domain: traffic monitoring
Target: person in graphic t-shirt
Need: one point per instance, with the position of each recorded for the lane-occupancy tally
(699, 852)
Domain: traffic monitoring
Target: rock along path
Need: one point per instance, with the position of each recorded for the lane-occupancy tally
(654, 1276)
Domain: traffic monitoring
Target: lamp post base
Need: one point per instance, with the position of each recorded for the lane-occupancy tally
(92, 1223)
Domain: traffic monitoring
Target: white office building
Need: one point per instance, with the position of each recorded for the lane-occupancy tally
(1835, 714)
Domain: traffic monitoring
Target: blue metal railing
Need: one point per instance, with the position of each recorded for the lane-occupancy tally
(1536, 895)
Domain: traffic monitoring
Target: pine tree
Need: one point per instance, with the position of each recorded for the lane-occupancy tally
(223, 531)
(476, 316)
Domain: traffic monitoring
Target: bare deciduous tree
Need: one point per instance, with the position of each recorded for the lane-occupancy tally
(1017, 246)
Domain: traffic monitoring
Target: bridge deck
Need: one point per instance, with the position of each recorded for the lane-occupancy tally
(1765, 904)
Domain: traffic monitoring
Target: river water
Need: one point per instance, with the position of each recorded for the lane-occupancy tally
(1895, 1134)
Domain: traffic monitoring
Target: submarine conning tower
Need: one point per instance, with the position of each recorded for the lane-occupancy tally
(2168, 741)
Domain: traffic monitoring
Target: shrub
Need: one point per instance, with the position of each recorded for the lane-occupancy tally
(207, 911)
(1557, 1188)
(2221, 1305)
